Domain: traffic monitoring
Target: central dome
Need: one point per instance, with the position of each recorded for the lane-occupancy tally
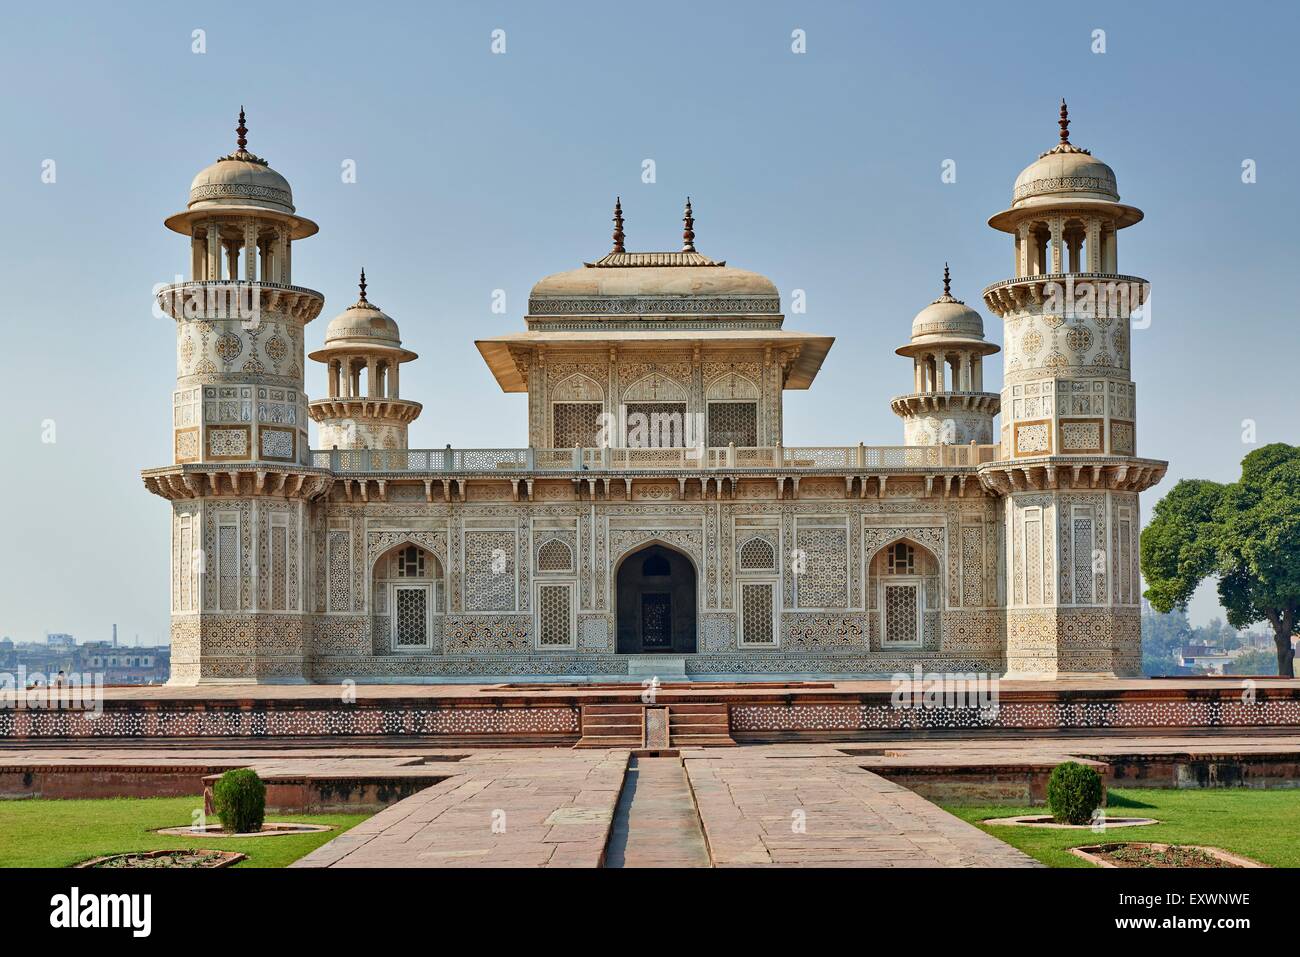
(684, 280)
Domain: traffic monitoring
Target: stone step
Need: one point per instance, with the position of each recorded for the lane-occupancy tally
(706, 724)
(699, 727)
(690, 708)
(606, 720)
(612, 726)
(609, 741)
(703, 740)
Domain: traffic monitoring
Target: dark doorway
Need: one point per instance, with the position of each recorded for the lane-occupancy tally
(656, 602)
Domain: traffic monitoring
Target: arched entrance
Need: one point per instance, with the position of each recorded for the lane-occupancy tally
(656, 602)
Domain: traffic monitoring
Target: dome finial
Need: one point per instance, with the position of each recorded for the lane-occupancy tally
(947, 281)
(242, 130)
(618, 224)
(1064, 123)
(363, 284)
(688, 233)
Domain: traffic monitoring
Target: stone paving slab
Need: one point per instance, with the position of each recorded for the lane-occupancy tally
(811, 806)
(509, 808)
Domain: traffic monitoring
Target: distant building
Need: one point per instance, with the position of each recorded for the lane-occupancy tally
(1205, 658)
(60, 639)
(126, 666)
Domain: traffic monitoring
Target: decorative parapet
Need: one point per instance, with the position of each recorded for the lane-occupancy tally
(528, 460)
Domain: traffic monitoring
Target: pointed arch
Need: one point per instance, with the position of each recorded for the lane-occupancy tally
(655, 387)
(905, 592)
(578, 387)
(656, 597)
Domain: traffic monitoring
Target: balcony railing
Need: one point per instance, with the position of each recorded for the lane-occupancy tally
(784, 458)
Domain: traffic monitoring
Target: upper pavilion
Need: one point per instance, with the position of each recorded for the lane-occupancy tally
(654, 332)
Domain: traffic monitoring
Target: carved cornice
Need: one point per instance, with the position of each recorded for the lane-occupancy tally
(364, 407)
(1072, 472)
(1026, 293)
(224, 299)
(243, 481)
(922, 403)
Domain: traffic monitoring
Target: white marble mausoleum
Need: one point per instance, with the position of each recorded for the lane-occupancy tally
(659, 518)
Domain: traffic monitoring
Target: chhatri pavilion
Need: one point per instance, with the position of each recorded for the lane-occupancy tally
(659, 520)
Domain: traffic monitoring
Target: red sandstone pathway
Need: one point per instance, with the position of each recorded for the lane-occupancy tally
(809, 806)
(509, 808)
(762, 805)
(656, 824)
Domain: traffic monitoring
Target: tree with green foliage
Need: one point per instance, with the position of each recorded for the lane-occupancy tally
(1253, 662)
(1163, 636)
(1245, 533)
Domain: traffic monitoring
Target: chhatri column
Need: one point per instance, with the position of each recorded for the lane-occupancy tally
(250, 250)
(213, 270)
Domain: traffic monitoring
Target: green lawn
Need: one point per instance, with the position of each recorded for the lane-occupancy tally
(48, 833)
(1262, 825)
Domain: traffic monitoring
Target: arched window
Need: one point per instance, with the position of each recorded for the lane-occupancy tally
(905, 593)
(900, 559)
(757, 555)
(554, 556)
(410, 563)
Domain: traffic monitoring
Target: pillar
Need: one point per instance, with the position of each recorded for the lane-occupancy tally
(213, 270)
(392, 381)
(1023, 243)
(197, 257)
(281, 256)
(250, 250)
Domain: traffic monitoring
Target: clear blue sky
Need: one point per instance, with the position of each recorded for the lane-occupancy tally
(479, 171)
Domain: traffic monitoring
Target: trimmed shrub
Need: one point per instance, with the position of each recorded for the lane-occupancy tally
(1073, 793)
(240, 800)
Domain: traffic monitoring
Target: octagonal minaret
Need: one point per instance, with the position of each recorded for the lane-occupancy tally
(1068, 468)
(1066, 385)
(241, 480)
(239, 330)
(948, 404)
(363, 339)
